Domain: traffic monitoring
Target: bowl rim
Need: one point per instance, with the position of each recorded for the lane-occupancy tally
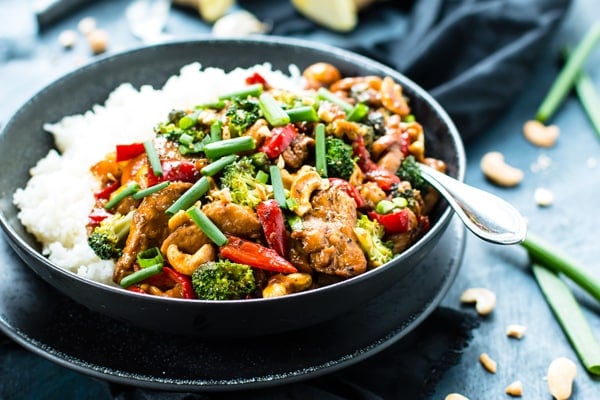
(20, 245)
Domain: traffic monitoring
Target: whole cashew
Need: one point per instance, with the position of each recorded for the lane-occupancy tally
(496, 170)
(484, 299)
(561, 374)
(187, 263)
(281, 285)
(306, 181)
(540, 134)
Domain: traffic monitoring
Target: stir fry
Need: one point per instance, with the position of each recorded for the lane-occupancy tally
(266, 192)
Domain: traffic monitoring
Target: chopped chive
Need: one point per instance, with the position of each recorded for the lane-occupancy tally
(546, 255)
(586, 92)
(320, 150)
(122, 192)
(222, 148)
(216, 131)
(251, 90)
(277, 183)
(358, 112)
(303, 114)
(153, 158)
(571, 318)
(325, 94)
(149, 257)
(272, 111)
(150, 190)
(140, 275)
(566, 78)
(207, 226)
(190, 196)
(216, 166)
(262, 176)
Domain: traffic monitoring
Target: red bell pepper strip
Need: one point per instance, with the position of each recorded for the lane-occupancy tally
(128, 151)
(183, 281)
(350, 189)
(257, 256)
(175, 170)
(104, 193)
(280, 139)
(395, 222)
(273, 224)
(96, 216)
(382, 177)
(257, 78)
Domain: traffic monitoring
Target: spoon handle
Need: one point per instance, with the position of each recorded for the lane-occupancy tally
(486, 215)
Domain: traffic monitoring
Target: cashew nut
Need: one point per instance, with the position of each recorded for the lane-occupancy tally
(515, 389)
(281, 285)
(515, 331)
(455, 396)
(487, 363)
(484, 299)
(496, 170)
(321, 74)
(186, 263)
(540, 134)
(561, 374)
(306, 181)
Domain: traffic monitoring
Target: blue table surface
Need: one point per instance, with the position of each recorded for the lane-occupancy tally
(570, 169)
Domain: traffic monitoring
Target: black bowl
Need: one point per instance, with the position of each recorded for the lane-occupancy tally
(23, 143)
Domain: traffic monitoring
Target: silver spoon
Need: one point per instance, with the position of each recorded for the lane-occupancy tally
(487, 216)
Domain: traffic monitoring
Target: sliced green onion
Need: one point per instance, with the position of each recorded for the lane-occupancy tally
(262, 177)
(186, 139)
(586, 92)
(272, 111)
(303, 113)
(149, 257)
(571, 318)
(153, 158)
(215, 167)
(122, 192)
(250, 90)
(325, 94)
(190, 196)
(188, 120)
(277, 183)
(216, 131)
(546, 255)
(384, 207)
(207, 226)
(217, 105)
(295, 222)
(150, 190)
(140, 275)
(409, 118)
(222, 148)
(320, 150)
(566, 78)
(358, 112)
(400, 202)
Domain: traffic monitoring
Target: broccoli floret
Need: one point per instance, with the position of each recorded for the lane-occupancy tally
(108, 238)
(370, 234)
(409, 171)
(223, 280)
(339, 158)
(240, 178)
(242, 113)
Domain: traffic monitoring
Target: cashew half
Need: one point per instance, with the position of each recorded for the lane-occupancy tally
(561, 374)
(498, 171)
(487, 363)
(455, 396)
(515, 331)
(484, 299)
(515, 389)
(540, 134)
(187, 263)
(281, 285)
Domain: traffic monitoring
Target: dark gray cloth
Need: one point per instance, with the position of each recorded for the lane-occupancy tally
(473, 56)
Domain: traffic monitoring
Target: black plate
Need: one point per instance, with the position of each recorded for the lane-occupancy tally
(53, 326)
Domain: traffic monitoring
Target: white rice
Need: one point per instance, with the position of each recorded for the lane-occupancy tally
(56, 201)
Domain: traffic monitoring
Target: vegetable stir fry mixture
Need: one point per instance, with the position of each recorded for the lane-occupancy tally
(265, 192)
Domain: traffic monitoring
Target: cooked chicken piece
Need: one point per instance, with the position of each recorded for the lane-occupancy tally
(149, 227)
(233, 218)
(297, 152)
(328, 237)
